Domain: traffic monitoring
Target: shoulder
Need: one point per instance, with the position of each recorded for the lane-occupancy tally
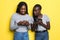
(28, 16)
(14, 15)
(45, 16)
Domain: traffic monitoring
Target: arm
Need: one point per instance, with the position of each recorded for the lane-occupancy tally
(46, 26)
(34, 26)
(13, 24)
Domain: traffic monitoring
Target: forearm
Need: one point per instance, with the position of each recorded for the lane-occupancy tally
(13, 27)
(46, 26)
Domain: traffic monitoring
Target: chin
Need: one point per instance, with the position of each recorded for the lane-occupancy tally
(35, 15)
(23, 13)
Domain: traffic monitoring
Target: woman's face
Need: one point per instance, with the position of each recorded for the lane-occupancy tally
(23, 10)
(37, 11)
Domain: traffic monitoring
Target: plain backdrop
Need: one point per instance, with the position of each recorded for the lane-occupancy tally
(49, 7)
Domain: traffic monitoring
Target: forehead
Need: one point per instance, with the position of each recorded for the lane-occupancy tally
(36, 8)
(23, 6)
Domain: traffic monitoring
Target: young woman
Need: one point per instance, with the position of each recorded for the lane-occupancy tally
(41, 23)
(20, 22)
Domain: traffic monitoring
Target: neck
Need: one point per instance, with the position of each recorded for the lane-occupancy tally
(21, 14)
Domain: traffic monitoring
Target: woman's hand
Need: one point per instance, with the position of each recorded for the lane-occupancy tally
(40, 22)
(19, 23)
(23, 23)
(26, 23)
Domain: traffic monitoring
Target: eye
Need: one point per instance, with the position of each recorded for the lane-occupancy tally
(23, 7)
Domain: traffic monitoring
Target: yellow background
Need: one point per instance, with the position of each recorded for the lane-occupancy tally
(50, 7)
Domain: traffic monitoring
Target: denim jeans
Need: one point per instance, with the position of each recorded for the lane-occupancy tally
(41, 36)
(21, 36)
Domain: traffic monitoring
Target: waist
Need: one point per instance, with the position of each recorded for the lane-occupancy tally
(41, 28)
(40, 31)
(22, 29)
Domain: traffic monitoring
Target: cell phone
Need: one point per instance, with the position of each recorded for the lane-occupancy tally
(39, 19)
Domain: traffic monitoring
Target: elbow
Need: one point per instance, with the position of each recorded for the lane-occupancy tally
(11, 28)
(48, 28)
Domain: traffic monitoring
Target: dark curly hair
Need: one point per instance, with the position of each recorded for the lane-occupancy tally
(37, 5)
(20, 5)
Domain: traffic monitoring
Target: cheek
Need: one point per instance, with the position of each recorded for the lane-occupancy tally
(23, 10)
(35, 12)
(38, 11)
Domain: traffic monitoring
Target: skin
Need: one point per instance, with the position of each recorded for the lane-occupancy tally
(23, 12)
(37, 12)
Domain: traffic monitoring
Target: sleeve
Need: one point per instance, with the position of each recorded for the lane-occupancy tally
(31, 20)
(13, 24)
(47, 19)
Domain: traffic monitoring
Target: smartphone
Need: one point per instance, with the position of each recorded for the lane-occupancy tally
(39, 19)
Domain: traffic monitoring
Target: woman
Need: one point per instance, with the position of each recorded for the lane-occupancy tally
(20, 22)
(41, 23)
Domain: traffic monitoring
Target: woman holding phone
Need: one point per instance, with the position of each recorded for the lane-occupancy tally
(41, 23)
(21, 22)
